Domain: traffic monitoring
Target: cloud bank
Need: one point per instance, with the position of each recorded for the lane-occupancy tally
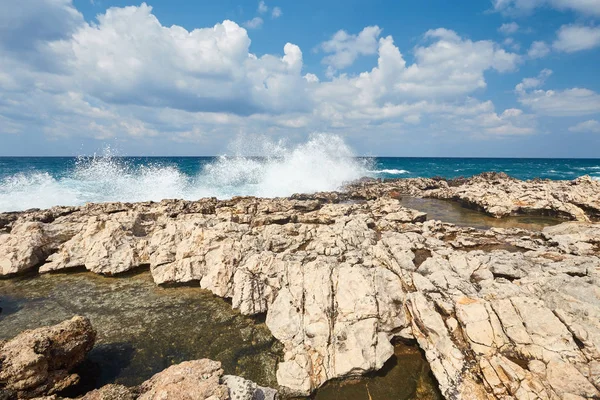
(128, 75)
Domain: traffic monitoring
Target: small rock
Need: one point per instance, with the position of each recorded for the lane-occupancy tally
(190, 380)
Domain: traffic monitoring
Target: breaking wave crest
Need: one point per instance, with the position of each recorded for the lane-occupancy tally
(322, 163)
(390, 171)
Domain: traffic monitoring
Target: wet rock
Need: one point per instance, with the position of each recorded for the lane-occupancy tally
(40, 361)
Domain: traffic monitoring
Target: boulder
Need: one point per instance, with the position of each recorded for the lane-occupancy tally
(40, 361)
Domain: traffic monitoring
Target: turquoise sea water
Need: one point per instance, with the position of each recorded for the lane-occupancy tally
(40, 182)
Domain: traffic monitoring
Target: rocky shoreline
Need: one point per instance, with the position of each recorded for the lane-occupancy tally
(499, 195)
(499, 313)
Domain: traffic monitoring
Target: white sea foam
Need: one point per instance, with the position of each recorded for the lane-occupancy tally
(322, 163)
(390, 171)
(33, 190)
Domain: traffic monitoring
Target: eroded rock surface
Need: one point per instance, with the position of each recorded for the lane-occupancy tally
(499, 313)
(201, 379)
(40, 361)
(110, 392)
(190, 380)
(244, 389)
(499, 195)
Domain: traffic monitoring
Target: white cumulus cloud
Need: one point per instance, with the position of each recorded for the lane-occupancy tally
(207, 69)
(345, 48)
(508, 28)
(254, 23)
(557, 103)
(520, 7)
(262, 7)
(532, 83)
(276, 12)
(128, 75)
(572, 38)
(562, 103)
(592, 126)
(538, 49)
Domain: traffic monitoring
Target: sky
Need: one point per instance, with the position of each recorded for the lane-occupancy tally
(487, 78)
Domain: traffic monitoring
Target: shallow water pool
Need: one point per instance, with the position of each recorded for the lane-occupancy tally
(143, 329)
(452, 212)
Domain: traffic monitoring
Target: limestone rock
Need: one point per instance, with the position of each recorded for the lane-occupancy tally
(499, 195)
(190, 380)
(110, 392)
(243, 389)
(23, 248)
(499, 313)
(40, 361)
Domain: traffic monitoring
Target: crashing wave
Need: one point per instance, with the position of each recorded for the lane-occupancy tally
(322, 163)
(390, 171)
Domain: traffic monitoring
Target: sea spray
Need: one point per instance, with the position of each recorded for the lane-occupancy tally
(324, 162)
(23, 191)
(390, 171)
(251, 166)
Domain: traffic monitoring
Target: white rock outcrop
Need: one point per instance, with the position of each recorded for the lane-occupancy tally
(500, 313)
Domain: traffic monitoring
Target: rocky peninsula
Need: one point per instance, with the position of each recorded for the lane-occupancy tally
(499, 313)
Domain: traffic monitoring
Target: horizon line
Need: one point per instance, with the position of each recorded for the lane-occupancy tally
(259, 156)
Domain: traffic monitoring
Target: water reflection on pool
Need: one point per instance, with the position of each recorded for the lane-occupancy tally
(405, 376)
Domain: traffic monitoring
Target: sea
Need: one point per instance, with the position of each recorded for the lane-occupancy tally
(320, 164)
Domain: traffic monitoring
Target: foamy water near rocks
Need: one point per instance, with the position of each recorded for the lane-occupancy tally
(499, 313)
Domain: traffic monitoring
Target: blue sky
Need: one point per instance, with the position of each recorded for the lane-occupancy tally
(506, 78)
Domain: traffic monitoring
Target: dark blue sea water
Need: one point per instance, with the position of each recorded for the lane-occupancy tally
(27, 182)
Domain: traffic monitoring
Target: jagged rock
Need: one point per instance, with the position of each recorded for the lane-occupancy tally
(190, 380)
(499, 312)
(40, 361)
(499, 195)
(574, 238)
(103, 245)
(23, 248)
